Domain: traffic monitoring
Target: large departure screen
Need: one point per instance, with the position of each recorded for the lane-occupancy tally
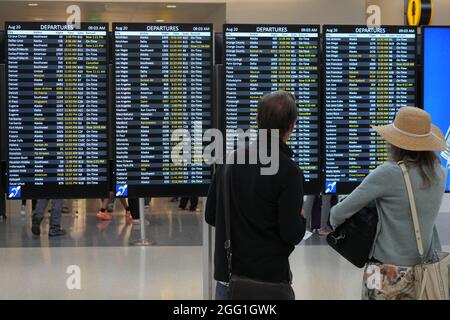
(163, 84)
(57, 110)
(436, 84)
(260, 59)
(369, 74)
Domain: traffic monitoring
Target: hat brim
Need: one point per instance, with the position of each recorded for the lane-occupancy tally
(433, 142)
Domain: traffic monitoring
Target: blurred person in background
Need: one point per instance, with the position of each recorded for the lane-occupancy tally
(55, 217)
(103, 215)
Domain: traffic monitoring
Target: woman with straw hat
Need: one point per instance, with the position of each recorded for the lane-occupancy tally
(414, 140)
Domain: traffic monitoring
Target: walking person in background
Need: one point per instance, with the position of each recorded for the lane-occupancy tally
(184, 202)
(412, 140)
(147, 202)
(309, 206)
(266, 219)
(55, 217)
(103, 215)
(111, 204)
(23, 206)
(134, 211)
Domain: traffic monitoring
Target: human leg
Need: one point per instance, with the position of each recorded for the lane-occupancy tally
(307, 207)
(102, 214)
(38, 215)
(135, 211)
(126, 206)
(134, 207)
(183, 203)
(55, 218)
(325, 215)
(23, 207)
(194, 203)
(111, 204)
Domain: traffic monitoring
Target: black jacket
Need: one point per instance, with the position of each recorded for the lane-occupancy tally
(266, 221)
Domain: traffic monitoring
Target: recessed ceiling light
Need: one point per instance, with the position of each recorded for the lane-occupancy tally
(160, 20)
(33, 4)
(171, 6)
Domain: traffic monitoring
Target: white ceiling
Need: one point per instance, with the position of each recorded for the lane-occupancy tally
(126, 11)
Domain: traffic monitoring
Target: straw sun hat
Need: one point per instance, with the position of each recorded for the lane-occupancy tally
(412, 130)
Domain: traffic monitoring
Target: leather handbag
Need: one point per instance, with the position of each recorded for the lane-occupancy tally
(354, 239)
(431, 279)
(241, 287)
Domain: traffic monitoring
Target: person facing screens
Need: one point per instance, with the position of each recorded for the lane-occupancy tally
(413, 140)
(264, 210)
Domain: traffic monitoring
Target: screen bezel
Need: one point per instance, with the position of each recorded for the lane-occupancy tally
(55, 191)
(349, 187)
(162, 190)
(309, 188)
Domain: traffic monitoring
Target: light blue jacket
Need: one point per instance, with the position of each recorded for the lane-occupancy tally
(395, 242)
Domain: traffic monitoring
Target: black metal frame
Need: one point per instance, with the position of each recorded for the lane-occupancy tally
(189, 190)
(54, 191)
(162, 190)
(313, 187)
(351, 186)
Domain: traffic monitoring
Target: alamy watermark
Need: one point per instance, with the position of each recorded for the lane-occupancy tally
(374, 16)
(197, 148)
(73, 281)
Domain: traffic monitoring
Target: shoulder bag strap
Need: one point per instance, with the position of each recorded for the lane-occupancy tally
(227, 210)
(412, 204)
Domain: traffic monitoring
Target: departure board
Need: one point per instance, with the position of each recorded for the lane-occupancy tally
(163, 76)
(369, 74)
(261, 59)
(57, 110)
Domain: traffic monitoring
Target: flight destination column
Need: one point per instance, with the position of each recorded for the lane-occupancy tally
(369, 74)
(57, 77)
(163, 85)
(260, 59)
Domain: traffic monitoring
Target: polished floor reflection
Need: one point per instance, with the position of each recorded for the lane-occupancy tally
(105, 273)
(155, 273)
(168, 226)
(109, 268)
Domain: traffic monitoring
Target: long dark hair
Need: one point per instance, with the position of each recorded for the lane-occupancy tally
(425, 161)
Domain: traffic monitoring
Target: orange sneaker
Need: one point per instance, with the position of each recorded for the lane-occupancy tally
(103, 216)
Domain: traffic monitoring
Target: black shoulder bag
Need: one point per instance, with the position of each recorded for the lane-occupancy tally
(244, 288)
(354, 238)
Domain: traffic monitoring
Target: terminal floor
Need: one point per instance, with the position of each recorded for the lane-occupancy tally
(168, 226)
(35, 267)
